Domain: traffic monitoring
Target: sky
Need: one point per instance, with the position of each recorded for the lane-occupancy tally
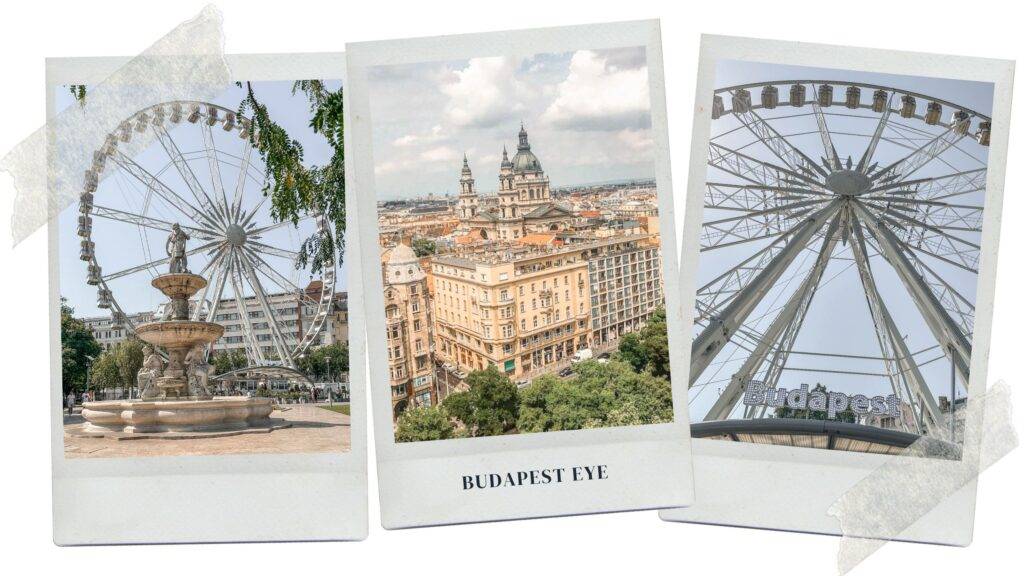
(587, 114)
(838, 319)
(120, 245)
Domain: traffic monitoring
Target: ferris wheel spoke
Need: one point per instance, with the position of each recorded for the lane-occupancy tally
(223, 272)
(941, 215)
(262, 248)
(943, 327)
(154, 184)
(213, 266)
(864, 166)
(155, 263)
(283, 351)
(756, 171)
(149, 222)
(276, 277)
(271, 227)
(712, 339)
(753, 226)
(214, 162)
(750, 197)
(185, 171)
(902, 369)
(789, 154)
(943, 187)
(721, 289)
(831, 156)
(789, 318)
(911, 163)
(243, 170)
(249, 335)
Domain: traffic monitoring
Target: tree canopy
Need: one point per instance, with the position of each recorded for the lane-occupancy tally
(315, 363)
(424, 423)
(424, 247)
(78, 347)
(600, 394)
(295, 189)
(117, 367)
(489, 407)
(647, 349)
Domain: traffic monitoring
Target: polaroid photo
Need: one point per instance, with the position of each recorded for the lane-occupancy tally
(517, 254)
(841, 229)
(200, 349)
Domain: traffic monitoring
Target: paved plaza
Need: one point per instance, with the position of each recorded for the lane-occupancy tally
(310, 428)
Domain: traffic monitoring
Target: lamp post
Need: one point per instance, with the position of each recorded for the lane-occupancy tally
(88, 364)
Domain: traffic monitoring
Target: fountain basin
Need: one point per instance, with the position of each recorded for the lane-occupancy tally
(179, 286)
(221, 413)
(179, 333)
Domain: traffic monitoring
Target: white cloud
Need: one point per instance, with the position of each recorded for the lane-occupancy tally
(639, 142)
(483, 94)
(435, 135)
(440, 154)
(599, 96)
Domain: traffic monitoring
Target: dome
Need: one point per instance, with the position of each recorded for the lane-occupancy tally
(402, 254)
(525, 160)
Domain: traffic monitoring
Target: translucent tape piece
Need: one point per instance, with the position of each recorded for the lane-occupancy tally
(912, 486)
(62, 161)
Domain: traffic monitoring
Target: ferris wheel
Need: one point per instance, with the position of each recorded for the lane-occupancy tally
(805, 173)
(200, 172)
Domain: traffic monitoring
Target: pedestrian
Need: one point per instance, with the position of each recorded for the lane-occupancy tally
(70, 402)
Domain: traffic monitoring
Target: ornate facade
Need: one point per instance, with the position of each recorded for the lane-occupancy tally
(407, 311)
(524, 199)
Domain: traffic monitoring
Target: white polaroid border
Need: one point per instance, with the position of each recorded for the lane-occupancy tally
(784, 488)
(192, 499)
(421, 483)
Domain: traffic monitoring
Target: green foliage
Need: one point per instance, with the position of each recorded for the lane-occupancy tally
(601, 394)
(104, 373)
(847, 415)
(78, 91)
(647, 350)
(314, 364)
(424, 247)
(228, 360)
(423, 423)
(77, 346)
(297, 190)
(489, 407)
(128, 358)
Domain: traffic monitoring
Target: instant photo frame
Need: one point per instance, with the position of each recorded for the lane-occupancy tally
(209, 498)
(790, 488)
(423, 483)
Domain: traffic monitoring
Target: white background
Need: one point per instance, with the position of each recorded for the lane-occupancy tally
(623, 543)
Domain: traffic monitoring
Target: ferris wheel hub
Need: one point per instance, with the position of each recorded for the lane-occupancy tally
(848, 182)
(235, 235)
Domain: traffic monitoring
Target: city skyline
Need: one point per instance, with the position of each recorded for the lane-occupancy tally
(591, 110)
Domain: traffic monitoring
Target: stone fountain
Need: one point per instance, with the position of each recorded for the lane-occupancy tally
(175, 395)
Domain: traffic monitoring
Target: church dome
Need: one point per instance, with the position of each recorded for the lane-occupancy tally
(525, 160)
(402, 266)
(402, 254)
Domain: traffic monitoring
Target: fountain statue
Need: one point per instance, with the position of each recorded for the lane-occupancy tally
(175, 395)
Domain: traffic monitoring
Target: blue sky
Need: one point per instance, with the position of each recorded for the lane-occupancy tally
(120, 246)
(838, 320)
(587, 114)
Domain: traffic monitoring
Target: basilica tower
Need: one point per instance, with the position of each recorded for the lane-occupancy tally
(467, 193)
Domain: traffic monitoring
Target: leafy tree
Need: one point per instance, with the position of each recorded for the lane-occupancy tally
(296, 189)
(104, 373)
(847, 415)
(423, 423)
(601, 394)
(315, 365)
(647, 350)
(128, 358)
(424, 247)
(78, 346)
(228, 360)
(490, 407)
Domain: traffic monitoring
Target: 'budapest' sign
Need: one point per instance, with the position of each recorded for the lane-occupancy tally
(757, 394)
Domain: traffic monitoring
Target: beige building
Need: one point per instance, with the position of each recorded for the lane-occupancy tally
(407, 312)
(522, 308)
(625, 286)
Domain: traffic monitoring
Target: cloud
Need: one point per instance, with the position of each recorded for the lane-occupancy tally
(440, 154)
(639, 142)
(483, 94)
(597, 95)
(435, 135)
